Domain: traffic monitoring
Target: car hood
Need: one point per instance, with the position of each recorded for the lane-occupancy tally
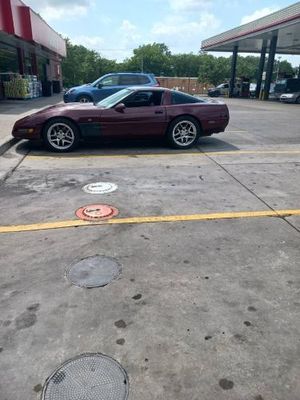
(79, 87)
(58, 110)
(64, 107)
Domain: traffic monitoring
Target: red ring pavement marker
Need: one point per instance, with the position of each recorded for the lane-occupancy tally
(96, 212)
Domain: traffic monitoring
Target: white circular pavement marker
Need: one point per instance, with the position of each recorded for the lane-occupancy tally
(100, 187)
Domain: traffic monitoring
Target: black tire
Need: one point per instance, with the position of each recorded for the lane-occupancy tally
(297, 100)
(67, 132)
(84, 98)
(178, 130)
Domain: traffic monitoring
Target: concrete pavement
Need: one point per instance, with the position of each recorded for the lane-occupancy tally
(203, 309)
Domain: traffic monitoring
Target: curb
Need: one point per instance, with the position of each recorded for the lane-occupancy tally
(6, 144)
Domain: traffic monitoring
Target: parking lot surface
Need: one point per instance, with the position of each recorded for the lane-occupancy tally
(207, 302)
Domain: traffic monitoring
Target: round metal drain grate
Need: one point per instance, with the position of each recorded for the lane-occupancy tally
(96, 212)
(88, 376)
(100, 187)
(93, 271)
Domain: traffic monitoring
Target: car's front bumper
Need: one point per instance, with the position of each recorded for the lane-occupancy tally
(287, 99)
(67, 98)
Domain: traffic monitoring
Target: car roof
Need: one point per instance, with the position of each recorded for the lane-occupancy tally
(156, 88)
(131, 73)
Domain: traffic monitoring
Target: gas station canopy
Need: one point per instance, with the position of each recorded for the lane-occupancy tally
(278, 32)
(249, 38)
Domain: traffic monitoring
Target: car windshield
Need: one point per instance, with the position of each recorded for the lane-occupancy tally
(114, 99)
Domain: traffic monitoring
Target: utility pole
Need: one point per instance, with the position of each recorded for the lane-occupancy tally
(142, 64)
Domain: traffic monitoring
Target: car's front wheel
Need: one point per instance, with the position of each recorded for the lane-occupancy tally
(183, 132)
(61, 135)
(84, 99)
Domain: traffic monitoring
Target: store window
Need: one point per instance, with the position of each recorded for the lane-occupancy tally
(8, 59)
(42, 68)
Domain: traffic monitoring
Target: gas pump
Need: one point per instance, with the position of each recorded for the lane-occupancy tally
(245, 87)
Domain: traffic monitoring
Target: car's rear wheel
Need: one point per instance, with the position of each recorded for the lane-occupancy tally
(84, 99)
(183, 132)
(61, 135)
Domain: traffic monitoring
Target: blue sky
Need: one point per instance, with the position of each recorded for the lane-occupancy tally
(114, 28)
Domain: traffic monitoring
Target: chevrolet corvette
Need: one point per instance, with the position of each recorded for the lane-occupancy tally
(134, 112)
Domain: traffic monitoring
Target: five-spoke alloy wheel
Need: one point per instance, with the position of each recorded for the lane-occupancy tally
(183, 132)
(61, 135)
(84, 99)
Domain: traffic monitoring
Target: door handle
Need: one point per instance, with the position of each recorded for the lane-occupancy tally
(158, 112)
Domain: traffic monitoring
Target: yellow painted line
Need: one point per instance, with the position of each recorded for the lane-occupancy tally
(224, 153)
(199, 154)
(151, 219)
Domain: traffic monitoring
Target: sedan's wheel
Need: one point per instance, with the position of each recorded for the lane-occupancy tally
(61, 135)
(183, 132)
(84, 99)
(298, 100)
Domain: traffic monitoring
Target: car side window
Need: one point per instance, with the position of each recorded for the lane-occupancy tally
(129, 80)
(111, 80)
(144, 99)
(182, 98)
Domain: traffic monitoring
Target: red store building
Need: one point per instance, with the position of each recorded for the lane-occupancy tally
(28, 45)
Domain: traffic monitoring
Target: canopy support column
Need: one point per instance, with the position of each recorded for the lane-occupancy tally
(270, 66)
(261, 68)
(233, 71)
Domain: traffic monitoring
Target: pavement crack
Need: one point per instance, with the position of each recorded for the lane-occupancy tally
(250, 191)
(11, 171)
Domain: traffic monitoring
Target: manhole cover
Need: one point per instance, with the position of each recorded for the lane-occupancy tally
(93, 271)
(100, 187)
(87, 377)
(96, 212)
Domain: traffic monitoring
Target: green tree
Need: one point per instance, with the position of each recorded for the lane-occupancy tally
(185, 64)
(154, 58)
(283, 68)
(83, 65)
(213, 69)
(247, 67)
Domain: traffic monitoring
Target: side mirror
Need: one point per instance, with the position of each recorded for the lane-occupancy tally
(120, 107)
(99, 86)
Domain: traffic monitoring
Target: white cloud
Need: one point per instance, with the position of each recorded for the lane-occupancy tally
(259, 14)
(91, 42)
(188, 5)
(129, 31)
(60, 9)
(118, 47)
(178, 27)
(182, 34)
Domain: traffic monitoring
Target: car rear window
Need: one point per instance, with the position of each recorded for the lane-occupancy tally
(129, 79)
(182, 98)
(143, 79)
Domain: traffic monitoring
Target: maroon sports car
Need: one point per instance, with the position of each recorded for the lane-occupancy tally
(134, 112)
